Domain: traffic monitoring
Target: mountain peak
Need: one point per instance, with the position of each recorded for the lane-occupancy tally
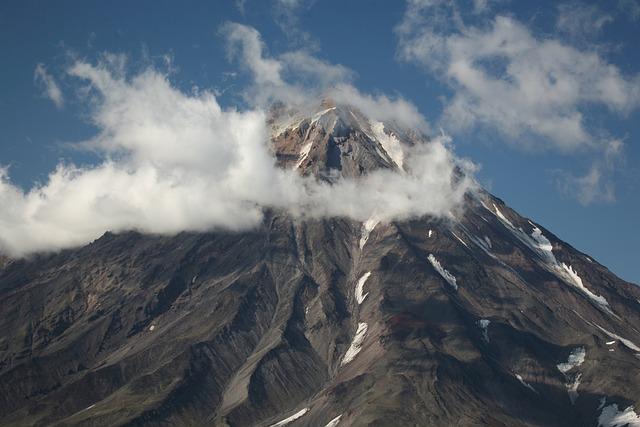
(338, 140)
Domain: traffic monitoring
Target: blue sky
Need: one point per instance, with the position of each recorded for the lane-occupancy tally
(564, 153)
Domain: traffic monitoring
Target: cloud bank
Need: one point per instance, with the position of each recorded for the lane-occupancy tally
(176, 161)
(535, 91)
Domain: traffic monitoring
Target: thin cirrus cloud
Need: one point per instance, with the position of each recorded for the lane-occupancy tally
(48, 85)
(287, 17)
(175, 161)
(580, 20)
(533, 91)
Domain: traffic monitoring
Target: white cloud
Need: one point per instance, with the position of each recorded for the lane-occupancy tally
(589, 188)
(597, 184)
(48, 85)
(287, 17)
(534, 91)
(175, 161)
(302, 64)
(246, 41)
(300, 79)
(505, 78)
(381, 107)
(245, 44)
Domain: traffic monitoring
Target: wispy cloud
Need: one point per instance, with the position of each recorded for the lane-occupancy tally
(287, 17)
(48, 85)
(597, 184)
(630, 9)
(240, 5)
(298, 78)
(580, 20)
(589, 188)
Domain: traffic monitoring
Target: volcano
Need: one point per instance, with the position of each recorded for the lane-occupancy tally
(483, 317)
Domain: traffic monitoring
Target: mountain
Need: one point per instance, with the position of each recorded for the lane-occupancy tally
(481, 318)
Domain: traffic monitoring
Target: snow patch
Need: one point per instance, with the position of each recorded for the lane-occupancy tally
(334, 422)
(356, 344)
(630, 345)
(611, 416)
(430, 234)
(543, 243)
(86, 409)
(603, 401)
(444, 273)
(540, 245)
(459, 239)
(483, 324)
(362, 129)
(296, 125)
(320, 114)
(572, 388)
(304, 153)
(502, 217)
(367, 227)
(291, 418)
(537, 242)
(484, 244)
(360, 287)
(526, 384)
(152, 327)
(577, 282)
(389, 143)
(576, 358)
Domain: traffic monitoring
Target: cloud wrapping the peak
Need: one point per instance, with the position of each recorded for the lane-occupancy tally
(175, 161)
(381, 107)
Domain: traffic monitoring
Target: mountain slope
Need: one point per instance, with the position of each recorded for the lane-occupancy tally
(482, 318)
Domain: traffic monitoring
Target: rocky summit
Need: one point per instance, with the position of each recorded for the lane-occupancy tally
(480, 318)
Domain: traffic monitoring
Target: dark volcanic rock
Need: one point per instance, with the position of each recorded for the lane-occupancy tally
(247, 329)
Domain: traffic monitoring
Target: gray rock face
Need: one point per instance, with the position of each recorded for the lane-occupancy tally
(266, 326)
